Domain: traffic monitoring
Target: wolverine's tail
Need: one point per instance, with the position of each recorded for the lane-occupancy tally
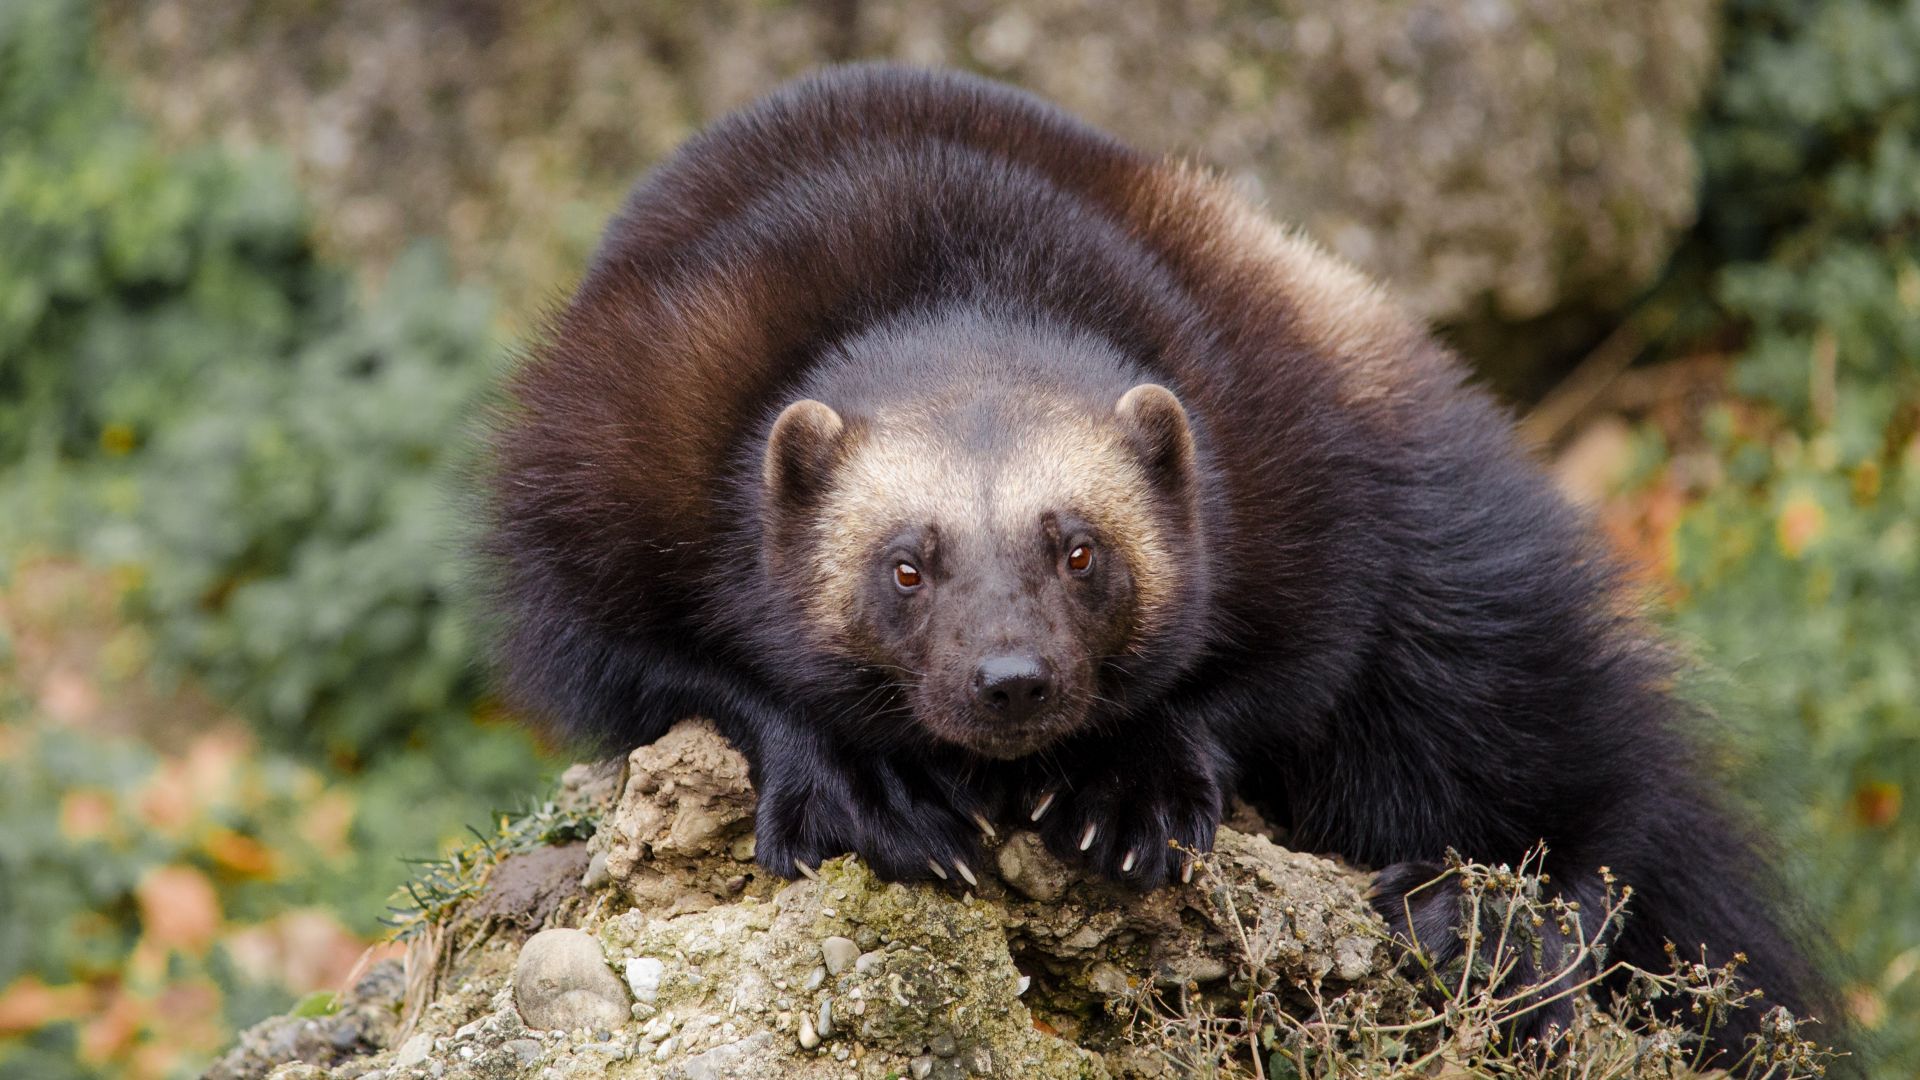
(1709, 890)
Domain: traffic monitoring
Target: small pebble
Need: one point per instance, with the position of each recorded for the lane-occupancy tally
(415, 1050)
(809, 1038)
(815, 978)
(825, 1023)
(839, 953)
(596, 874)
(524, 1051)
(868, 961)
(920, 1067)
(643, 978)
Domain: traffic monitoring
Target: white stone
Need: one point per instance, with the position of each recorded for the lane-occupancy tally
(414, 1051)
(643, 978)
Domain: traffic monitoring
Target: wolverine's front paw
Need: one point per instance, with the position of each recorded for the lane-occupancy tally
(906, 826)
(1139, 829)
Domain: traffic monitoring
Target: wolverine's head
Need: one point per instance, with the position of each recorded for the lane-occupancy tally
(994, 519)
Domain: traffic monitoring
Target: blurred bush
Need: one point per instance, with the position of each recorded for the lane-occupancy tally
(123, 274)
(194, 400)
(1797, 560)
(258, 463)
(153, 903)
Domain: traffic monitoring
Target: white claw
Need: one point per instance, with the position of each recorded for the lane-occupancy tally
(1086, 838)
(1040, 809)
(805, 870)
(985, 826)
(965, 873)
(1020, 987)
(1126, 864)
(938, 870)
(1186, 873)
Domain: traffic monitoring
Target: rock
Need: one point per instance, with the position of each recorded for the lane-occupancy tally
(811, 980)
(525, 1051)
(561, 982)
(1108, 979)
(1497, 161)
(596, 874)
(643, 978)
(726, 1062)
(417, 1048)
(839, 953)
(686, 804)
(363, 1020)
(933, 991)
(1026, 865)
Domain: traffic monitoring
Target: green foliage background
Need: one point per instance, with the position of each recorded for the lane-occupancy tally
(262, 459)
(1797, 561)
(264, 464)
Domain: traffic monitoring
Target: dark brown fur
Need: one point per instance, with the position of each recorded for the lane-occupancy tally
(1389, 631)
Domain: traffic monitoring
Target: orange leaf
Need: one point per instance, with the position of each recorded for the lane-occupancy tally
(240, 854)
(111, 1033)
(85, 814)
(1802, 521)
(29, 1004)
(1877, 804)
(178, 909)
(167, 804)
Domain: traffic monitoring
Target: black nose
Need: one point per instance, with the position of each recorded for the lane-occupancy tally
(1013, 686)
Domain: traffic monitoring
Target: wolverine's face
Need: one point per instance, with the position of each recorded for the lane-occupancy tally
(992, 557)
(999, 636)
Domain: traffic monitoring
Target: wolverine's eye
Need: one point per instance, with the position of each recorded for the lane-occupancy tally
(1080, 559)
(907, 576)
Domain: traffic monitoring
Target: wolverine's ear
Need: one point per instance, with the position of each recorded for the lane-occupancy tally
(1156, 425)
(798, 450)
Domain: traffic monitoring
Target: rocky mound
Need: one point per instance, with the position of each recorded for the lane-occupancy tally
(658, 949)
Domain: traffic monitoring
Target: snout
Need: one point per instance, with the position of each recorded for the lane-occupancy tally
(1013, 687)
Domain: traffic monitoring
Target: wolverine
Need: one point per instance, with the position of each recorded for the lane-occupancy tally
(971, 469)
